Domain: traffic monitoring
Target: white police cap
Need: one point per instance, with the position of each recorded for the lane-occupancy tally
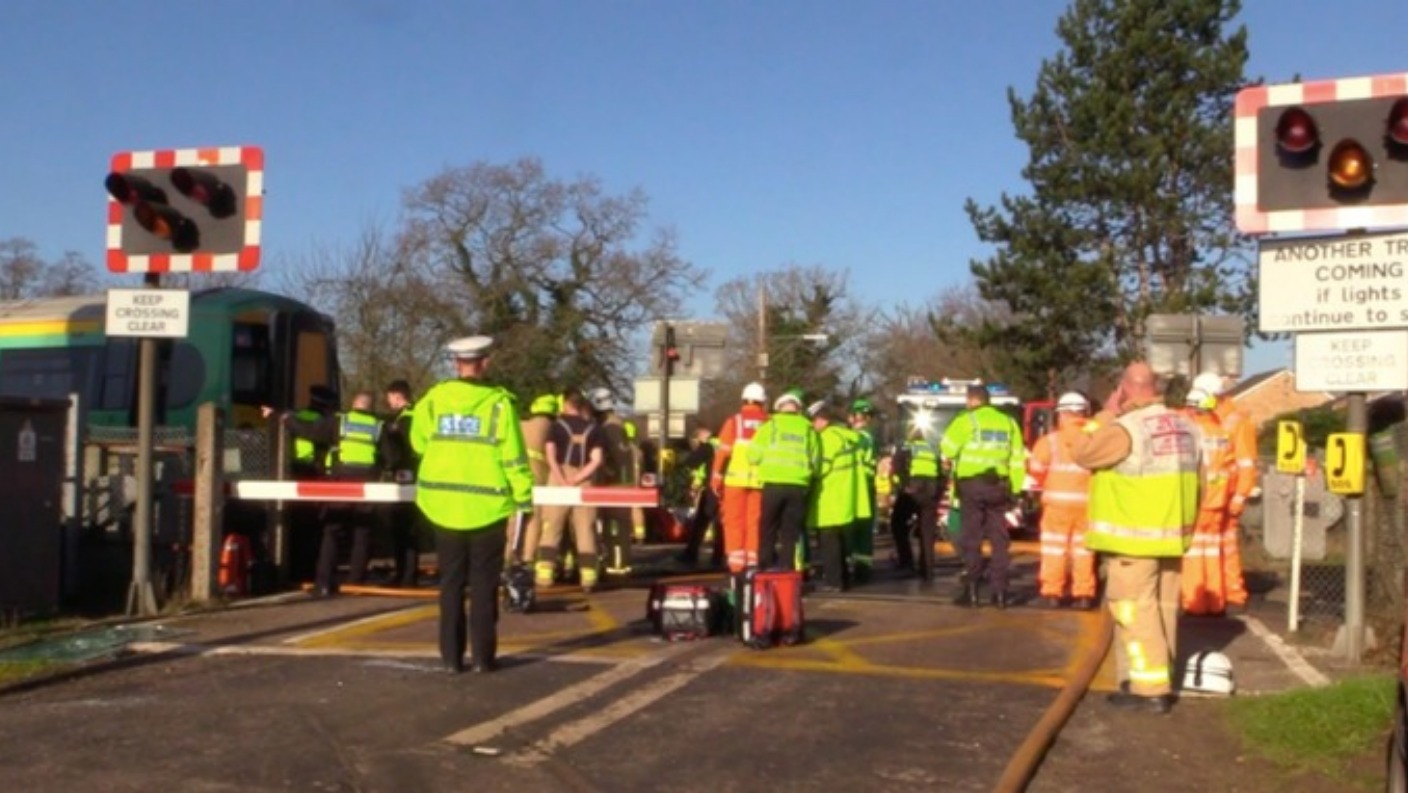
(470, 348)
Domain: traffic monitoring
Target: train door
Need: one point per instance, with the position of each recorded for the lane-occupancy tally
(306, 356)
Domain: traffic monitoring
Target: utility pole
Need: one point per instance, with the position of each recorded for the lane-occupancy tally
(762, 332)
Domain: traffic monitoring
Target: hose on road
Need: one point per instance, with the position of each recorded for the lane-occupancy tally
(1022, 767)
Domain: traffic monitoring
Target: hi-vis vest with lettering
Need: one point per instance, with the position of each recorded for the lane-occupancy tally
(1147, 504)
(740, 471)
(357, 436)
(473, 469)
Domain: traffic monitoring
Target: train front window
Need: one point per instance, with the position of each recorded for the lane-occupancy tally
(47, 373)
(251, 370)
(312, 364)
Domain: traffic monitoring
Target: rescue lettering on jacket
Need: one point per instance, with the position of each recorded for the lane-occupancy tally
(1167, 435)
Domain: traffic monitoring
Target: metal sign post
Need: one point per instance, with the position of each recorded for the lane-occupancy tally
(141, 598)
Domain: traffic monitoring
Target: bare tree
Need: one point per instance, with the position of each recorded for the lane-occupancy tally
(561, 273)
(25, 274)
(814, 331)
(391, 322)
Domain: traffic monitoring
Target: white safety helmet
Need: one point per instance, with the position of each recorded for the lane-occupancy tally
(1209, 382)
(753, 392)
(1072, 402)
(601, 399)
(1199, 398)
(1209, 672)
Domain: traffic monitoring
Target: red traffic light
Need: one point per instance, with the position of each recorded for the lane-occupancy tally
(1350, 166)
(1296, 132)
(166, 223)
(129, 190)
(206, 189)
(1398, 123)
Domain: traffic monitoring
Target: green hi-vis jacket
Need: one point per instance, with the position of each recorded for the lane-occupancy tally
(473, 468)
(786, 450)
(841, 495)
(982, 440)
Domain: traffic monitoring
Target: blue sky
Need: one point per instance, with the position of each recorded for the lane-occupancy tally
(816, 132)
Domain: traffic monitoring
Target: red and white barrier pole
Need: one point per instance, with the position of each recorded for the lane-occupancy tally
(389, 492)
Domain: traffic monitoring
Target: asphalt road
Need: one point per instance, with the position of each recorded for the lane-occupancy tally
(894, 689)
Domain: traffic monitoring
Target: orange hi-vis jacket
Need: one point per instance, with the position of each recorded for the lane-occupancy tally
(1219, 461)
(1242, 435)
(1064, 485)
(731, 463)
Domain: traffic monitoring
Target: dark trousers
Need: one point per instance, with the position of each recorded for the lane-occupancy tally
(339, 519)
(472, 559)
(921, 496)
(706, 514)
(403, 524)
(784, 519)
(983, 502)
(834, 542)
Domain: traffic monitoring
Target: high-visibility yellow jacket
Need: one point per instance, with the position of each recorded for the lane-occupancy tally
(1146, 504)
(473, 469)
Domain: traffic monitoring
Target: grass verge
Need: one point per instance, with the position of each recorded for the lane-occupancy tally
(1318, 729)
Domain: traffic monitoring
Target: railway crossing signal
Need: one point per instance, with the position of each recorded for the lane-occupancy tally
(185, 210)
(1330, 155)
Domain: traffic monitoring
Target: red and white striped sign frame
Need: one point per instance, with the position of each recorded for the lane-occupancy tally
(388, 492)
(246, 260)
(1251, 220)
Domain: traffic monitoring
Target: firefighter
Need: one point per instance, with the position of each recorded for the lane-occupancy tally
(916, 465)
(1241, 434)
(620, 466)
(735, 479)
(787, 452)
(576, 452)
(860, 549)
(473, 477)
(982, 449)
(1204, 588)
(542, 411)
(1143, 505)
(840, 499)
(1065, 494)
(402, 518)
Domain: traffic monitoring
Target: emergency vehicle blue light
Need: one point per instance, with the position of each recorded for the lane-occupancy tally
(998, 389)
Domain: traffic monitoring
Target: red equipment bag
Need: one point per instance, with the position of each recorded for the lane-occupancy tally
(770, 608)
(683, 611)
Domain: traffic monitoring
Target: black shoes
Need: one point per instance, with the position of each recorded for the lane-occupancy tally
(484, 667)
(999, 599)
(1123, 699)
(1083, 604)
(1049, 602)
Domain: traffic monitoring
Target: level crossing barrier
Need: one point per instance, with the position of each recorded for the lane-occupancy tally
(391, 492)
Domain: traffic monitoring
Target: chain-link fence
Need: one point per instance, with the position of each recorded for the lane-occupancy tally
(1268, 540)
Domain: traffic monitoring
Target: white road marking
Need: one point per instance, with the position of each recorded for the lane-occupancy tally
(533, 711)
(1293, 660)
(575, 732)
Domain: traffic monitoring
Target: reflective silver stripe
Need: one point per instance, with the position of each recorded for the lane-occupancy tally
(1136, 533)
(1066, 497)
(479, 439)
(453, 487)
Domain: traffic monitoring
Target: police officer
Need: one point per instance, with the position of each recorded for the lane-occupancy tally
(982, 449)
(473, 478)
(699, 462)
(916, 463)
(308, 462)
(355, 458)
(399, 466)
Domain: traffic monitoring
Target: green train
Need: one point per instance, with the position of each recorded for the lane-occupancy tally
(245, 348)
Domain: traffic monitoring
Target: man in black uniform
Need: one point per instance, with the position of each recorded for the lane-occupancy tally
(308, 462)
(698, 463)
(399, 466)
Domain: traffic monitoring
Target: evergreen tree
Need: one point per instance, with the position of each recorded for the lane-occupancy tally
(1130, 213)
